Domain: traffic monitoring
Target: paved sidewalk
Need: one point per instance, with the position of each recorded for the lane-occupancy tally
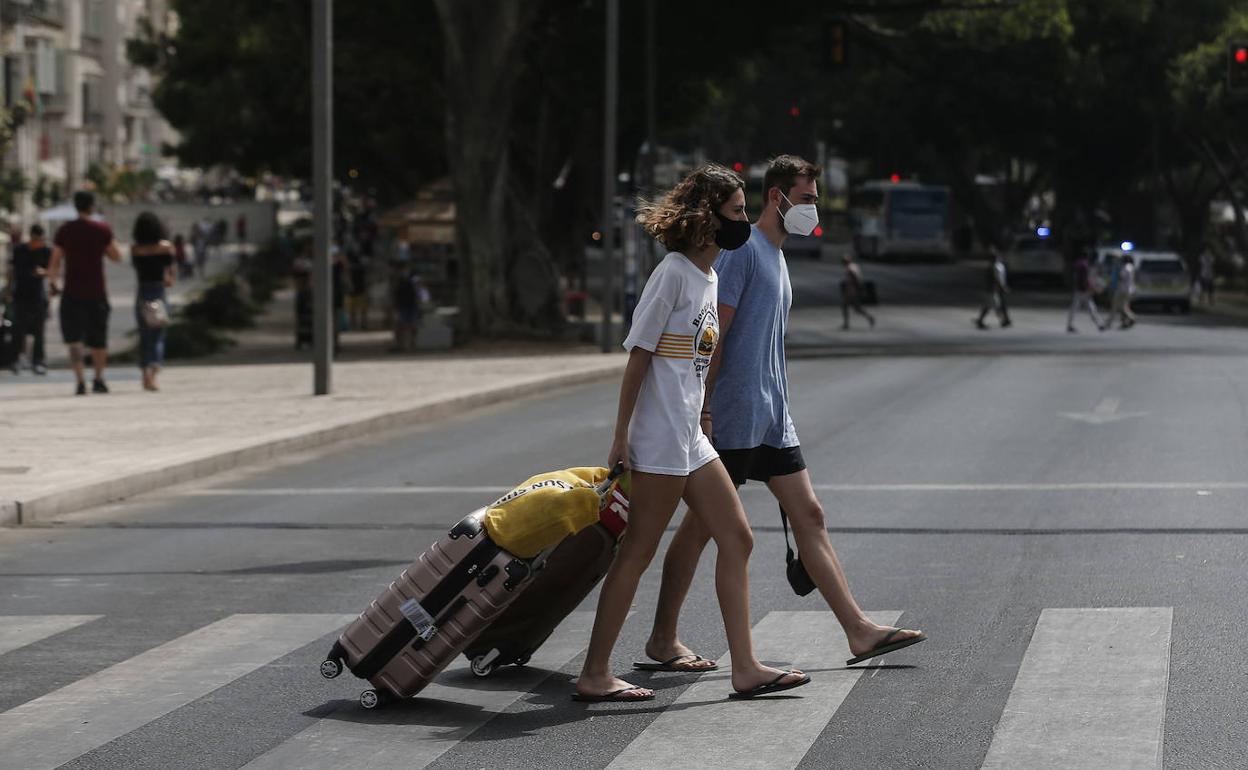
(62, 453)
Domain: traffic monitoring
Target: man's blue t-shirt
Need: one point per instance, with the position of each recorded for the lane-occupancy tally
(750, 402)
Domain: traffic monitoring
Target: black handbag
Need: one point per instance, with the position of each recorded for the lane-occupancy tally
(794, 569)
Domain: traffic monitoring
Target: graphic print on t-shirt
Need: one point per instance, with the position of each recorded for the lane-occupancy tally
(707, 322)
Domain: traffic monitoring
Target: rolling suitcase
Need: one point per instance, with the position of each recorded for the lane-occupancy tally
(560, 585)
(427, 616)
(436, 607)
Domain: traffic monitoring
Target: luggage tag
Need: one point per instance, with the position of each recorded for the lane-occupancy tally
(419, 618)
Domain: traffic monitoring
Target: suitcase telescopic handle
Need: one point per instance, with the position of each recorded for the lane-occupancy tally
(615, 473)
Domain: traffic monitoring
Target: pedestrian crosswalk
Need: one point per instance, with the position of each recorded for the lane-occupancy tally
(1089, 692)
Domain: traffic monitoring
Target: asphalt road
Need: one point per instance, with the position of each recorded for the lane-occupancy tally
(1068, 529)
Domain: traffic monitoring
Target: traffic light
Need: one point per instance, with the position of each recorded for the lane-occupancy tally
(1237, 68)
(834, 45)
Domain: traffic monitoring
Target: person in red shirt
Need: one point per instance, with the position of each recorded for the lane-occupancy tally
(81, 246)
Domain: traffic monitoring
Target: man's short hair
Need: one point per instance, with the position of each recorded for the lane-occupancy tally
(84, 201)
(36, 231)
(785, 170)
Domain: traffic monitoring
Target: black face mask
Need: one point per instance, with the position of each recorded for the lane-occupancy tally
(732, 233)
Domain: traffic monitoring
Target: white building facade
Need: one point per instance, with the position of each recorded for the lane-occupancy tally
(96, 107)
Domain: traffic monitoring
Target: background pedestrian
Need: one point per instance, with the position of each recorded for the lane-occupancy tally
(851, 292)
(1083, 293)
(27, 291)
(80, 247)
(996, 289)
(1123, 289)
(152, 256)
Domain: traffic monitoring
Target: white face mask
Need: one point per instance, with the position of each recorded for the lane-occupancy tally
(801, 218)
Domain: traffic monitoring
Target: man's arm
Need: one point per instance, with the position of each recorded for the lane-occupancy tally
(726, 312)
(54, 268)
(113, 252)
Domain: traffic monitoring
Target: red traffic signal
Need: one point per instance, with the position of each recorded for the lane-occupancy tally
(738, 167)
(1237, 68)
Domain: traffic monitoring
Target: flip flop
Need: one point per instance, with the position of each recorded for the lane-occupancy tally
(614, 695)
(773, 686)
(671, 665)
(885, 647)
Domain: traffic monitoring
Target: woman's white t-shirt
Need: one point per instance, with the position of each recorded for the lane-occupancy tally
(675, 319)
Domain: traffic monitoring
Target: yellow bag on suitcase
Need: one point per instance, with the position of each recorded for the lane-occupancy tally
(545, 509)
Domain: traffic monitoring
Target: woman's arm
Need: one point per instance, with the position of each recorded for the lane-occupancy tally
(630, 388)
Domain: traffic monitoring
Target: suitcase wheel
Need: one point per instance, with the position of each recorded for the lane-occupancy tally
(371, 699)
(483, 665)
(330, 669)
(480, 667)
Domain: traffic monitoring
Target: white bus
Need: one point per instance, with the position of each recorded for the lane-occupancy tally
(891, 219)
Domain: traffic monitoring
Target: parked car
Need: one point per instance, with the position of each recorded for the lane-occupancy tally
(1035, 258)
(1161, 279)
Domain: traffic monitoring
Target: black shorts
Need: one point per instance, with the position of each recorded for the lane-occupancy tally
(761, 463)
(85, 320)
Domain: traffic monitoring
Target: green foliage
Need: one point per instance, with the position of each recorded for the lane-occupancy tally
(12, 185)
(121, 184)
(235, 82)
(190, 340)
(47, 192)
(223, 304)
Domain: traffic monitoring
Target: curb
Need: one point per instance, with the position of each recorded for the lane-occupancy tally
(19, 512)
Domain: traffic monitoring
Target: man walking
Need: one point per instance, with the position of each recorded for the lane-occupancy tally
(747, 395)
(28, 269)
(997, 289)
(1083, 296)
(81, 246)
(851, 293)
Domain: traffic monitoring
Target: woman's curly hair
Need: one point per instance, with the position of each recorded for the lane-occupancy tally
(684, 218)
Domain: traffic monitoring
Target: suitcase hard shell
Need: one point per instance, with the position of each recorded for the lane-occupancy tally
(426, 617)
(567, 576)
(570, 573)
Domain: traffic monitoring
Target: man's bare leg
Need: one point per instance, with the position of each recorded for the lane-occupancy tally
(797, 497)
(99, 360)
(75, 360)
(679, 566)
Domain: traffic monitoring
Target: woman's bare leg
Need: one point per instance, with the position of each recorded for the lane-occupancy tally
(652, 502)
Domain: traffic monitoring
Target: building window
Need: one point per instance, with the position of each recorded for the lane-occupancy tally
(93, 19)
(47, 71)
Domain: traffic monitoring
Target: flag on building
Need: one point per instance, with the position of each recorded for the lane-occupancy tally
(31, 95)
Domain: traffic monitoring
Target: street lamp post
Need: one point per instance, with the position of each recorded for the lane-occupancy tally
(608, 172)
(322, 191)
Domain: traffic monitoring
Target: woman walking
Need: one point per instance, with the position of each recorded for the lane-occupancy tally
(152, 257)
(674, 333)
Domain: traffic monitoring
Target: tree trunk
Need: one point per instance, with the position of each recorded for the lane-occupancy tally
(482, 41)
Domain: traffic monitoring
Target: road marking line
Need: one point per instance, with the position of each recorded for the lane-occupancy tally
(1073, 486)
(293, 491)
(703, 728)
(20, 630)
(1090, 693)
(412, 737)
(67, 723)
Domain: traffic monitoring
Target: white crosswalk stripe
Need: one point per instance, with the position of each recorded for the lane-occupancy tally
(1090, 693)
(705, 729)
(64, 724)
(397, 743)
(20, 630)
